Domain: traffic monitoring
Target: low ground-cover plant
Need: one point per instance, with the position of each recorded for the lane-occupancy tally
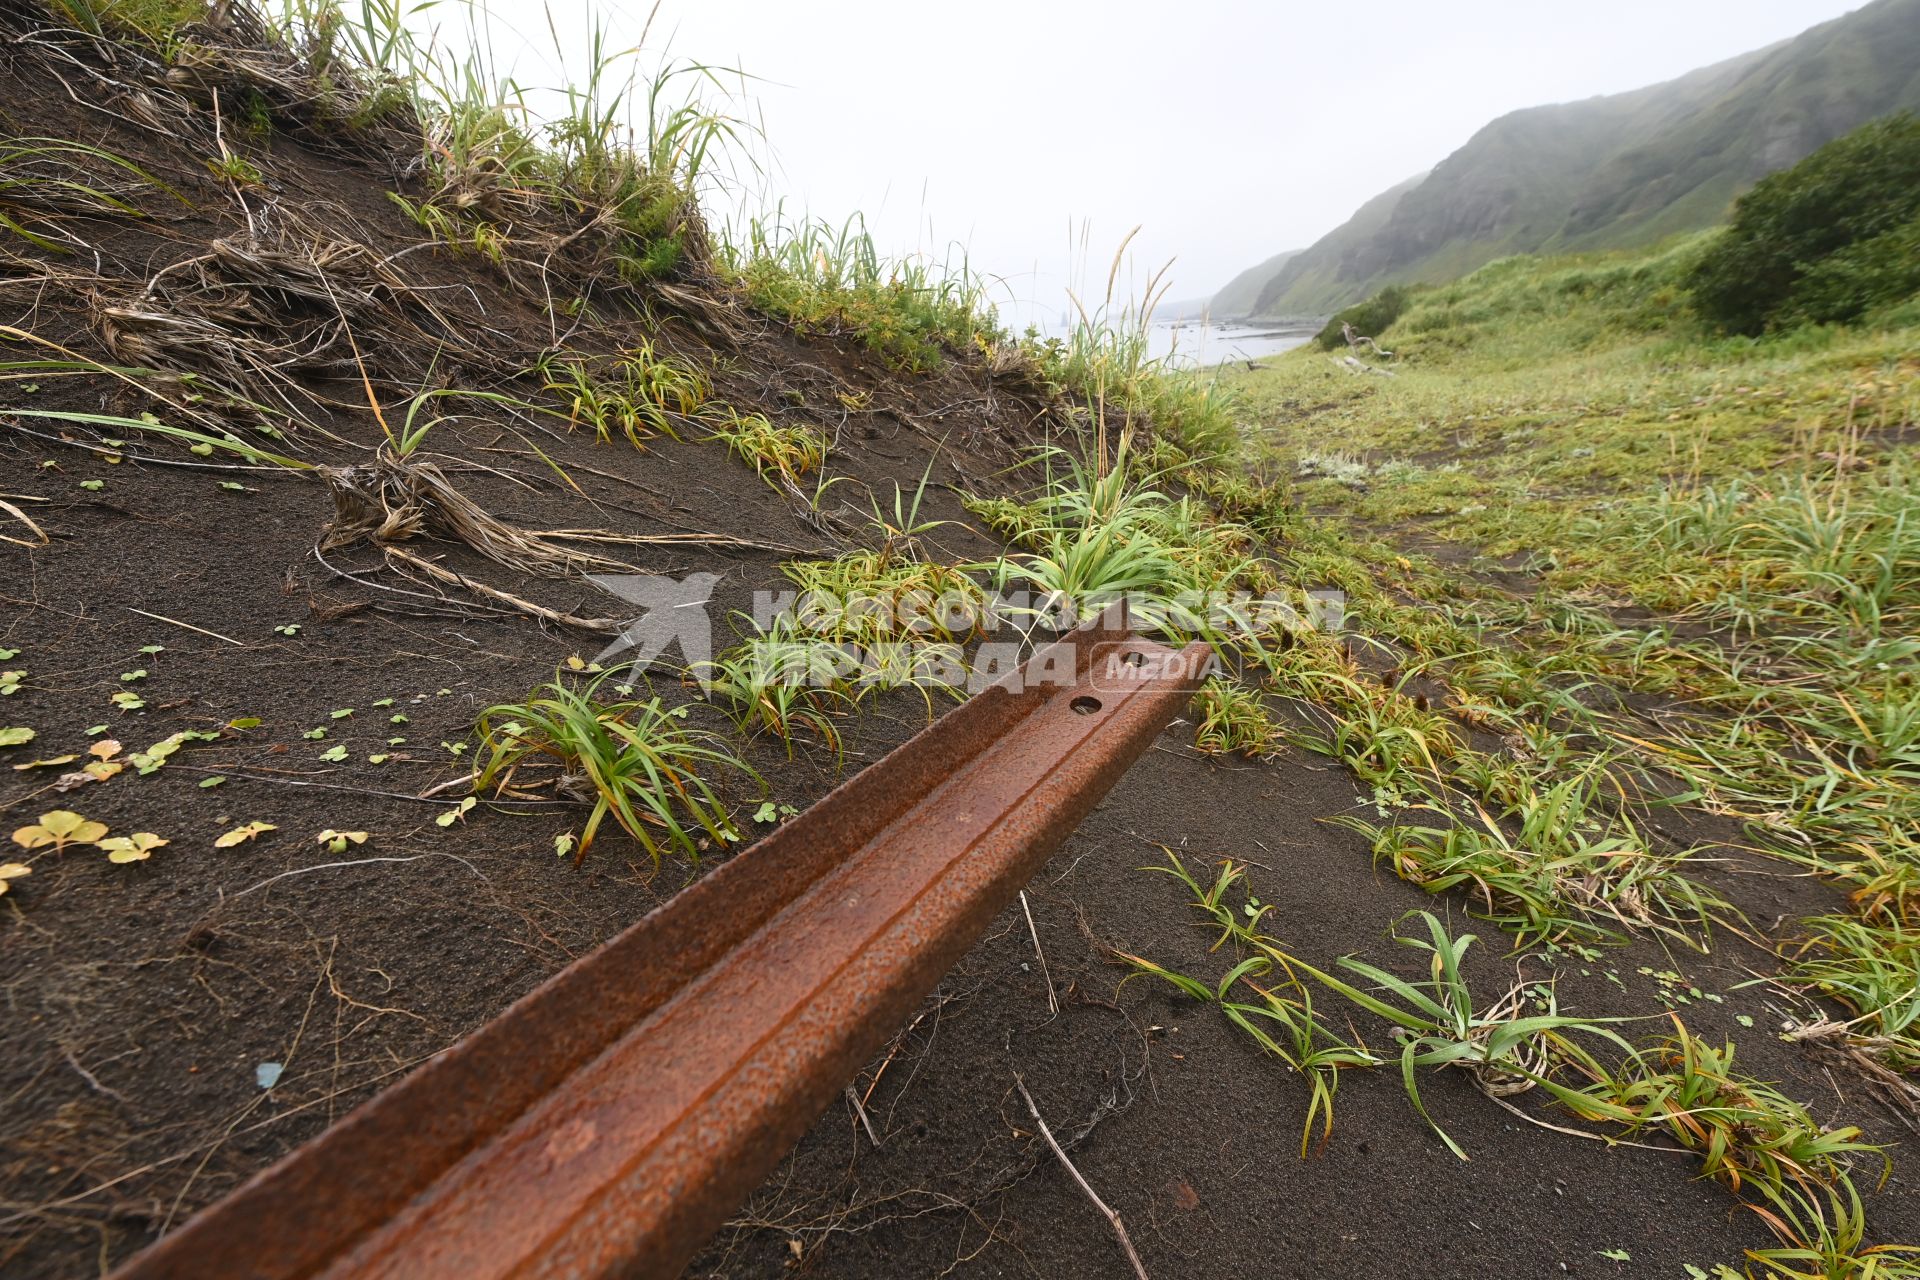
(618, 155)
(1100, 536)
(1551, 862)
(781, 680)
(1279, 1015)
(914, 313)
(1438, 1024)
(869, 598)
(1791, 1170)
(1745, 1131)
(1874, 969)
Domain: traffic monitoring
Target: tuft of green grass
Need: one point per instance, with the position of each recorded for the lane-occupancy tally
(870, 598)
(637, 394)
(155, 19)
(1824, 1229)
(915, 314)
(635, 760)
(1106, 364)
(1233, 720)
(236, 169)
(1745, 1131)
(617, 150)
(1551, 864)
(1437, 1021)
(1103, 535)
(1278, 1016)
(1793, 1172)
(1017, 522)
(775, 452)
(781, 680)
(1873, 968)
(461, 232)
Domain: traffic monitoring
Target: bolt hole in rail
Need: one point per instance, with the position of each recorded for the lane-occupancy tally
(608, 1122)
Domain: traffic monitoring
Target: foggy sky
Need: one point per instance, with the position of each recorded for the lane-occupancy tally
(1229, 130)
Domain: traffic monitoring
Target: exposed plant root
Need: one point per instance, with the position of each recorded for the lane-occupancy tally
(186, 345)
(138, 379)
(1112, 1217)
(420, 604)
(122, 79)
(714, 314)
(248, 315)
(679, 540)
(316, 281)
(1518, 1073)
(1862, 1053)
(600, 626)
(235, 56)
(391, 499)
(34, 282)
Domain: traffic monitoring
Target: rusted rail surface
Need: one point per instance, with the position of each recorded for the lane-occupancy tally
(607, 1123)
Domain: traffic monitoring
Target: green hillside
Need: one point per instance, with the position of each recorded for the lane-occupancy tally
(1241, 292)
(1617, 171)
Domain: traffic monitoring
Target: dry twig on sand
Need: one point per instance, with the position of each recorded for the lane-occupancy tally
(1119, 1228)
(1053, 1005)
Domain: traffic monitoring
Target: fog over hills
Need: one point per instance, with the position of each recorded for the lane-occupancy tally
(1607, 172)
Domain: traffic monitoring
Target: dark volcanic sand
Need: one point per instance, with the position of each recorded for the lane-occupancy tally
(140, 1000)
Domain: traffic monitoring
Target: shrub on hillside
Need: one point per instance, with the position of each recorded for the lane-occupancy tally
(1823, 241)
(1864, 275)
(1367, 318)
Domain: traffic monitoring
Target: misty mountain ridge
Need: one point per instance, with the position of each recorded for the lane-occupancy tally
(1609, 172)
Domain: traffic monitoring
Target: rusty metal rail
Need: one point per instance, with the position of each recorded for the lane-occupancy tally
(608, 1122)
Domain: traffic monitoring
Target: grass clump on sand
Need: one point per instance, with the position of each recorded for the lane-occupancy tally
(913, 313)
(1795, 1173)
(637, 394)
(635, 760)
(774, 451)
(156, 19)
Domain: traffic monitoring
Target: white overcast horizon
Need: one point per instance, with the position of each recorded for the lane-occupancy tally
(1226, 130)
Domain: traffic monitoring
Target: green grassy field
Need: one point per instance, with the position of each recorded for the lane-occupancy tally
(1669, 566)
